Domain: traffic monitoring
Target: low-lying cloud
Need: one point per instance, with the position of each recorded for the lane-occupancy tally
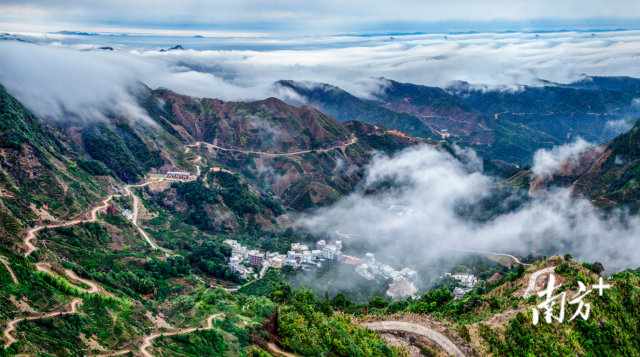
(435, 185)
(546, 162)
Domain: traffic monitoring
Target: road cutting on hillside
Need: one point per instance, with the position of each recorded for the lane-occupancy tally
(449, 347)
(352, 141)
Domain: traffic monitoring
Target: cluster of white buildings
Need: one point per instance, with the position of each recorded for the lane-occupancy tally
(466, 280)
(241, 255)
(298, 256)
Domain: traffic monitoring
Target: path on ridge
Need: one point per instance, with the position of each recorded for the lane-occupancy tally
(12, 323)
(278, 352)
(449, 347)
(31, 232)
(352, 141)
(13, 276)
(146, 342)
(93, 287)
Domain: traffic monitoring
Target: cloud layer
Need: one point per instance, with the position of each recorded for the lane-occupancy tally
(53, 74)
(436, 186)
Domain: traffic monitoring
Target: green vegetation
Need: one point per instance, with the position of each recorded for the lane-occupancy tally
(121, 149)
(305, 329)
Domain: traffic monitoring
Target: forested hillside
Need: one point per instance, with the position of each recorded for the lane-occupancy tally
(78, 278)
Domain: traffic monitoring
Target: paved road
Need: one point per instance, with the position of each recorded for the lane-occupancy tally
(134, 217)
(449, 347)
(353, 140)
(13, 276)
(505, 255)
(534, 277)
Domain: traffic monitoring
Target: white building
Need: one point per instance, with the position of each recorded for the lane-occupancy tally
(465, 279)
(321, 244)
(410, 274)
(370, 257)
(127, 214)
(363, 271)
(329, 251)
(400, 288)
(339, 244)
(276, 263)
(386, 270)
(316, 253)
(244, 271)
(459, 292)
(306, 256)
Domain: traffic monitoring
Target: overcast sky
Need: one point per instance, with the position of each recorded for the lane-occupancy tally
(303, 17)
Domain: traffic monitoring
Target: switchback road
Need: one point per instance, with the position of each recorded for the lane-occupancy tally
(449, 347)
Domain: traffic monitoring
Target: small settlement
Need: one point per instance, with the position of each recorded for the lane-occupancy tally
(301, 258)
(466, 280)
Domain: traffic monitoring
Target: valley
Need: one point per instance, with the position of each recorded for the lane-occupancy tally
(113, 232)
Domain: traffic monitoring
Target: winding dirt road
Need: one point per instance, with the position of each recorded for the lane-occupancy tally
(12, 323)
(13, 276)
(449, 347)
(352, 141)
(93, 213)
(31, 232)
(146, 342)
(277, 351)
(93, 287)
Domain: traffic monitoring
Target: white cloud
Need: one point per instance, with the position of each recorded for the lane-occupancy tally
(68, 71)
(437, 186)
(546, 162)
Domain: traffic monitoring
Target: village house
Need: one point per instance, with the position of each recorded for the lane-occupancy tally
(459, 292)
(178, 175)
(400, 288)
(255, 258)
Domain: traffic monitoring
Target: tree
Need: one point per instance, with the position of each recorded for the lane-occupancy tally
(597, 268)
(521, 270)
(568, 257)
(378, 303)
(326, 309)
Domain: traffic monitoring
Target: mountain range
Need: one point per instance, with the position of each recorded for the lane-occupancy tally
(507, 124)
(103, 253)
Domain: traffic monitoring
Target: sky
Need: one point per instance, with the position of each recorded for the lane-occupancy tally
(313, 18)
